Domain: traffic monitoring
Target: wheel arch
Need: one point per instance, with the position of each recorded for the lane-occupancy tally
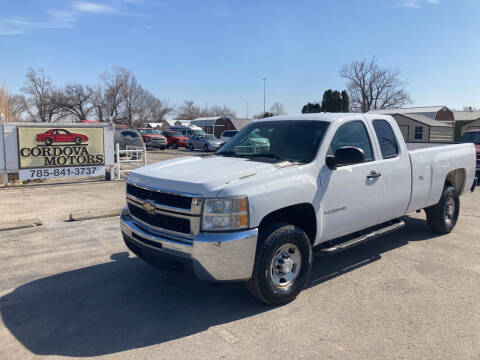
(302, 215)
(457, 178)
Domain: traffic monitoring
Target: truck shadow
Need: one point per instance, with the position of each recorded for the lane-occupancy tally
(125, 304)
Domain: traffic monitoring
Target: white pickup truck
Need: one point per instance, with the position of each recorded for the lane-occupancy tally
(254, 213)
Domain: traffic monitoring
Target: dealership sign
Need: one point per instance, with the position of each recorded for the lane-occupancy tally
(66, 148)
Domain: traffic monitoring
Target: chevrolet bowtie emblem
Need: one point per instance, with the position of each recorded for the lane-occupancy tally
(149, 207)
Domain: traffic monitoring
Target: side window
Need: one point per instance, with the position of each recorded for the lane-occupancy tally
(386, 139)
(352, 134)
(418, 133)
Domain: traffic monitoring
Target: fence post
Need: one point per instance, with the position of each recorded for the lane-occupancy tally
(5, 179)
(144, 155)
(118, 160)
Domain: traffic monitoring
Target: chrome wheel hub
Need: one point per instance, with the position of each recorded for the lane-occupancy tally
(285, 266)
(449, 210)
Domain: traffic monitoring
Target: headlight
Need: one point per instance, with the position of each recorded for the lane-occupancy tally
(225, 214)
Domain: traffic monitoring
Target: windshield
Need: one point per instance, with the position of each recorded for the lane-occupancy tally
(198, 132)
(209, 137)
(294, 140)
(471, 137)
(149, 131)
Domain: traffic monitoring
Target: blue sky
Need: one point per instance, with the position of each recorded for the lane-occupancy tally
(218, 51)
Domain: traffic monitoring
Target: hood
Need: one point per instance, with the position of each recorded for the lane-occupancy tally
(199, 175)
(153, 136)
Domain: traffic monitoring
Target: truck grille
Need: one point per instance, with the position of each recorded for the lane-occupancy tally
(171, 223)
(161, 198)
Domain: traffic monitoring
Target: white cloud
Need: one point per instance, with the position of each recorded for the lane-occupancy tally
(62, 19)
(415, 4)
(91, 7)
(56, 19)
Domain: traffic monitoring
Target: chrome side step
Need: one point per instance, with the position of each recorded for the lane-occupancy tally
(397, 225)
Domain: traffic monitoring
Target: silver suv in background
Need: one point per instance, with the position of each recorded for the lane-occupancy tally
(227, 135)
(207, 142)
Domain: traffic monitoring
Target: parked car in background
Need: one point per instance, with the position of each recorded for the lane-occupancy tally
(153, 138)
(473, 136)
(187, 130)
(174, 139)
(207, 142)
(227, 135)
(127, 137)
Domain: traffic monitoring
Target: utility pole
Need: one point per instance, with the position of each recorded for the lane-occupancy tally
(206, 106)
(264, 80)
(246, 103)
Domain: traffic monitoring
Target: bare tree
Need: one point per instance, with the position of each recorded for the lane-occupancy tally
(16, 107)
(371, 87)
(43, 102)
(277, 109)
(160, 109)
(114, 92)
(221, 111)
(188, 111)
(78, 101)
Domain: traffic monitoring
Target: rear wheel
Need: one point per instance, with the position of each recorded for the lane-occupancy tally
(174, 145)
(190, 146)
(442, 217)
(205, 148)
(282, 264)
(48, 141)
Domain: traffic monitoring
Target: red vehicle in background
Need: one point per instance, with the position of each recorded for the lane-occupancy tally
(153, 138)
(60, 135)
(473, 136)
(175, 140)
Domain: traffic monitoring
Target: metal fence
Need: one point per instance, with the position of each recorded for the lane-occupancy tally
(129, 159)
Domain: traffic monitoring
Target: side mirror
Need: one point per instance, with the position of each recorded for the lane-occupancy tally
(347, 155)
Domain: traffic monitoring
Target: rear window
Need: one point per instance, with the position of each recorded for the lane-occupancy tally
(386, 138)
(132, 134)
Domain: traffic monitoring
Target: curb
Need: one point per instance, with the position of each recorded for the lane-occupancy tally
(94, 214)
(20, 224)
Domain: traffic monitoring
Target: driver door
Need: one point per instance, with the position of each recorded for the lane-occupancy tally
(353, 194)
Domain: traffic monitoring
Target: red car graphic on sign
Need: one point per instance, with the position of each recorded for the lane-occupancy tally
(60, 135)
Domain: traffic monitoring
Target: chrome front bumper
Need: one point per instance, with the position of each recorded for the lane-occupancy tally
(214, 256)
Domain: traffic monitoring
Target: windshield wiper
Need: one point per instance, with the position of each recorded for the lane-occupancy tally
(227, 153)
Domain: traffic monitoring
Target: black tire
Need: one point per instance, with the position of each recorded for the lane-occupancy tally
(48, 141)
(190, 146)
(206, 148)
(174, 145)
(78, 140)
(272, 239)
(441, 217)
(162, 147)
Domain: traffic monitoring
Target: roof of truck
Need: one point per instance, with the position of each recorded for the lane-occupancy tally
(330, 117)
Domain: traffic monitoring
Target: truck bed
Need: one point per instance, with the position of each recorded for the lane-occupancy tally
(430, 167)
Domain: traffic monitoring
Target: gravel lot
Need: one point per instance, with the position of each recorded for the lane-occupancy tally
(71, 289)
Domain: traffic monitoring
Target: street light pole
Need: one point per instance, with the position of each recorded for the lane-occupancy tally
(246, 103)
(264, 80)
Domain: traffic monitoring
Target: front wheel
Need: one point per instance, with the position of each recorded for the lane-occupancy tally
(442, 217)
(174, 146)
(282, 264)
(78, 140)
(206, 148)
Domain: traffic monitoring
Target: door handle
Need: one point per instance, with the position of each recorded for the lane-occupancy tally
(373, 175)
